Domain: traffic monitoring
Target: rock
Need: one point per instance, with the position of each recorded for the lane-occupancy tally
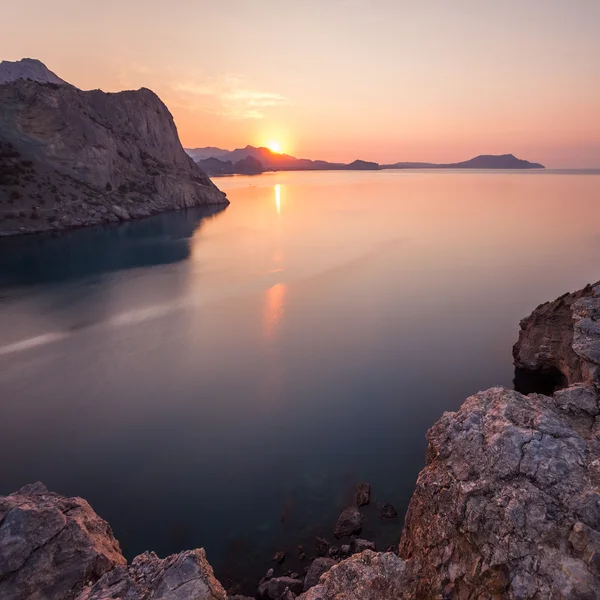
(279, 557)
(270, 574)
(509, 502)
(366, 576)
(349, 523)
(276, 587)
(333, 551)
(345, 549)
(363, 494)
(28, 68)
(51, 546)
(359, 546)
(322, 546)
(301, 553)
(68, 149)
(559, 343)
(288, 595)
(317, 568)
(184, 576)
(388, 511)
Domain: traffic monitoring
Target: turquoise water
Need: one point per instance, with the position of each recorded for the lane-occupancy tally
(223, 379)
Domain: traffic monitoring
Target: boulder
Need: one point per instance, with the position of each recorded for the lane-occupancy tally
(322, 546)
(359, 546)
(317, 568)
(275, 588)
(184, 576)
(387, 511)
(366, 576)
(508, 505)
(349, 523)
(363, 494)
(279, 557)
(51, 546)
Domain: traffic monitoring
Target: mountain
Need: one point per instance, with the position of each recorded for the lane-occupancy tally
(28, 68)
(483, 161)
(203, 153)
(70, 158)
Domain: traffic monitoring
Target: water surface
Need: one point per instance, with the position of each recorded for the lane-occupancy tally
(223, 379)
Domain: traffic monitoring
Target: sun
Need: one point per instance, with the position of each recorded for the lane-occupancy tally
(274, 147)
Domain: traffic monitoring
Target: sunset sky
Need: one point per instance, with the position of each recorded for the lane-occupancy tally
(383, 80)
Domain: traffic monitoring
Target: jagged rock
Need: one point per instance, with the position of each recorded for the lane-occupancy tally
(559, 343)
(65, 154)
(28, 68)
(509, 502)
(279, 557)
(51, 546)
(184, 576)
(359, 546)
(322, 546)
(366, 576)
(345, 549)
(387, 511)
(276, 587)
(348, 523)
(317, 568)
(363, 494)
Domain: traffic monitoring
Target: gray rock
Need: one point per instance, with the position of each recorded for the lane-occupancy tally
(317, 568)
(359, 546)
(276, 587)
(509, 502)
(363, 494)
(270, 574)
(184, 576)
(387, 511)
(366, 576)
(348, 523)
(121, 213)
(345, 549)
(51, 546)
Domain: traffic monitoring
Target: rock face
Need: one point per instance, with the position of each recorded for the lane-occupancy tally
(57, 548)
(70, 158)
(508, 505)
(28, 68)
(316, 569)
(368, 576)
(50, 546)
(560, 341)
(348, 523)
(185, 576)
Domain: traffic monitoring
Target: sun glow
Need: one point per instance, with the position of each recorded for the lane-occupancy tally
(274, 147)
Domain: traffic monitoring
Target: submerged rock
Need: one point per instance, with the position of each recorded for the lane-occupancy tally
(387, 511)
(322, 546)
(51, 546)
(317, 568)
(363, 494)
(279, 557)
(348, 523)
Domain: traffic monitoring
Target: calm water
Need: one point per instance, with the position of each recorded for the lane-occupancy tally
(225, 379)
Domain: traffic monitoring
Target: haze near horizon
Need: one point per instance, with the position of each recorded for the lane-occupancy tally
(383, 81)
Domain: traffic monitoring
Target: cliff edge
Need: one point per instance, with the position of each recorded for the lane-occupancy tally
(70, 158)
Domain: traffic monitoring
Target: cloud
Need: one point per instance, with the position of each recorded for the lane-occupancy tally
(231, 97)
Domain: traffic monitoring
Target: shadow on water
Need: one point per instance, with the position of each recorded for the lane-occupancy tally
(51, 257)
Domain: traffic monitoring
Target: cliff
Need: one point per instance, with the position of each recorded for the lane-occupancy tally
(507, 506)
(70, 158)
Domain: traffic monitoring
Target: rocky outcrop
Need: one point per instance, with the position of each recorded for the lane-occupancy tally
(57, 548)
(368, 576)
(316, 569)
(28, 68)
(559, 343)
(184, 576)
(51, 546)
(511, 483)
(71, 158)
(348, 523)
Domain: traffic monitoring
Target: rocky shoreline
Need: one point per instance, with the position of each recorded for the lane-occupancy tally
(507, 506)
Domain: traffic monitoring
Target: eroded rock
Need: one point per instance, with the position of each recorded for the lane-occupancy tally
(348, 523)
(317, 568)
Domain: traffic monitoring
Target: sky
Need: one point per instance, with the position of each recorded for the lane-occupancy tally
(383, 80)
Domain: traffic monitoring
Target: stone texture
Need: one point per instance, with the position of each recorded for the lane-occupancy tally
(366, 576)
(184, 576)
(508, 505)
(70, 158)
(560, 340)
(387, 511)
(348, 523)
(359, 546)
(316, 569)
(50, 546)
(363, 494)
(275, 588)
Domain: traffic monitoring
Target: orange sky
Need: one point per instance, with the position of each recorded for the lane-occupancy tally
(383, 80)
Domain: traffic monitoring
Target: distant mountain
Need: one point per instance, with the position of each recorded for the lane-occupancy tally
(28, 68)
(223, 162)
(483, 161)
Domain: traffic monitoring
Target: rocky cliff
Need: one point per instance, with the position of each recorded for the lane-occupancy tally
(507, 506)
(71, 158)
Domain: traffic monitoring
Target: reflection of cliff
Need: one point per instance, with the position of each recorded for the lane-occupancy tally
(161, 239)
